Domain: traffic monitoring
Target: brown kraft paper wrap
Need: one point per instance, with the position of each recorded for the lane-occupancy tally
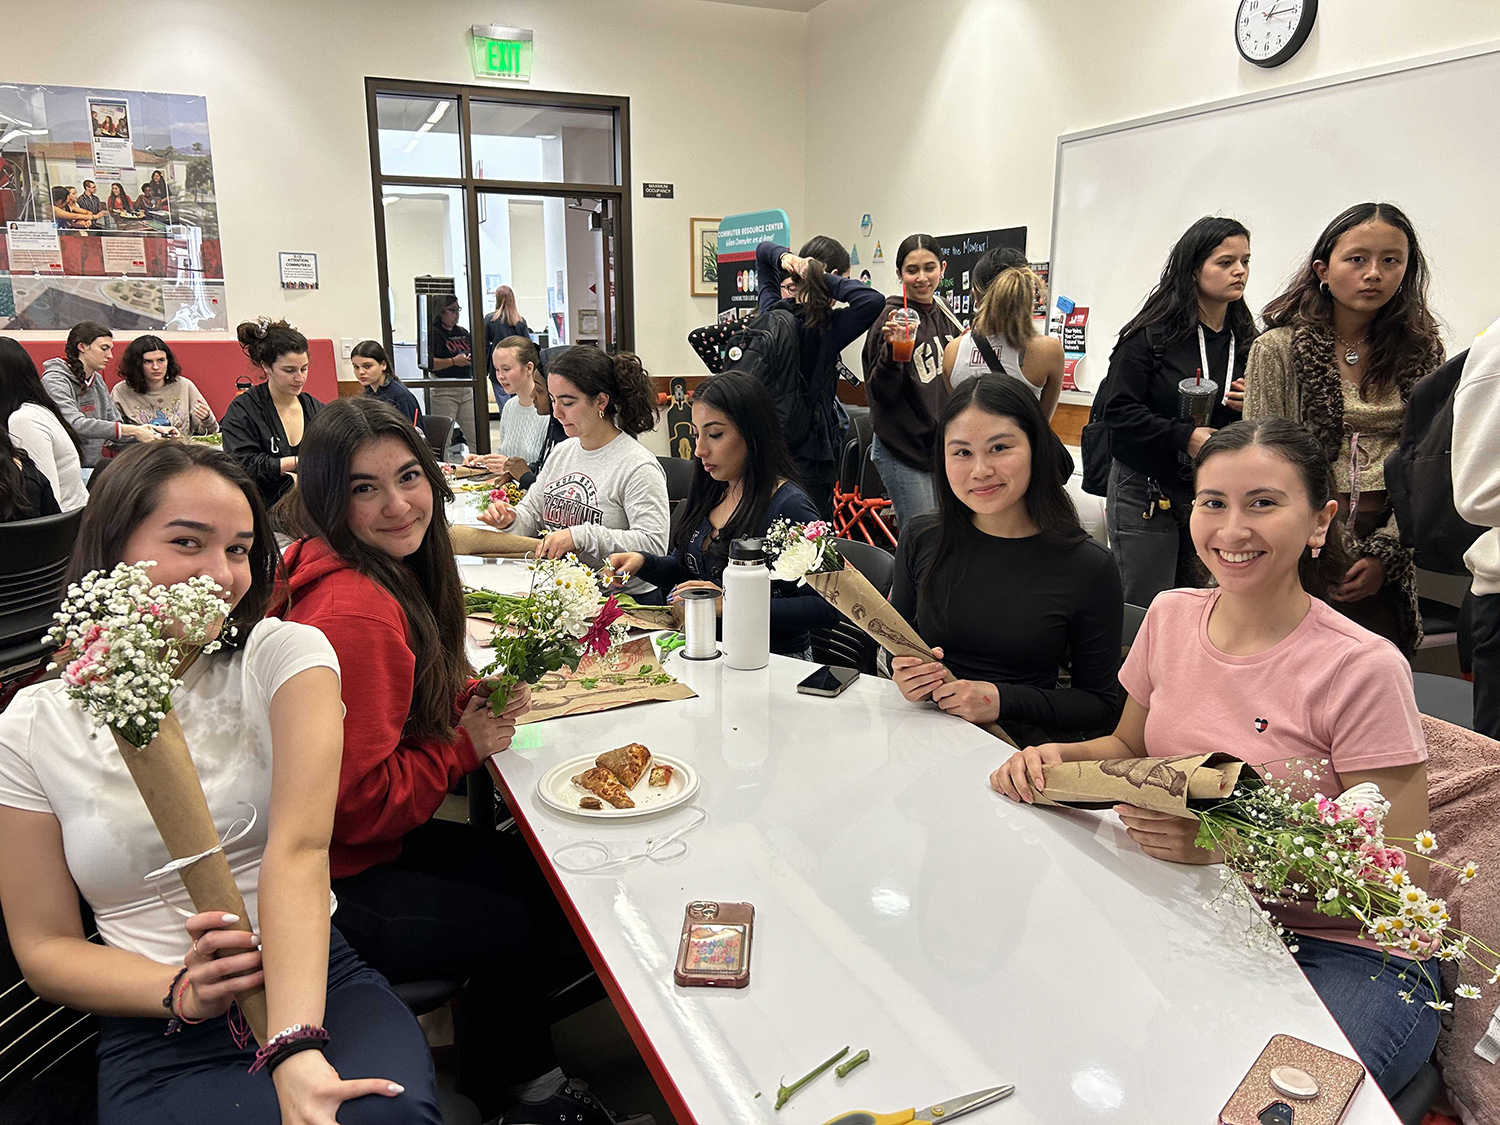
(1160, 784)
(483, 542)
(168, 782)
(564, 693)
(851, 593)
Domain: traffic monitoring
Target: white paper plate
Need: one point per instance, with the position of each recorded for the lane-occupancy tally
(557, 790)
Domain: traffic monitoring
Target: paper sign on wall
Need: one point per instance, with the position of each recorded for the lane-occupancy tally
(878, 257)
(1043, 270)
(1070, 372)
(33, 248)
(1075, 330)
(865, 225)
(299, 271)
(854, 255)
(124, 254)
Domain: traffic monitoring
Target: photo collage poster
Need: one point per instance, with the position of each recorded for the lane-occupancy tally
(107, 211)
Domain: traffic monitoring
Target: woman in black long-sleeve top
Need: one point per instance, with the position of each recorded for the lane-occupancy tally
(1003, 581)
(1195, 319)
(743, 482)
(818, 277)
(263, 427)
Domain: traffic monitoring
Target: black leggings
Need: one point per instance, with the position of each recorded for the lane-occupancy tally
(468, 905)
(200, 1075)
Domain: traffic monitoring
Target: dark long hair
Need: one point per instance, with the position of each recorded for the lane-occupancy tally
(914, 242)
(425, 584)
(824, 255)
(1047, 501)
(20, 384)
(127, 491)
(744, 400)
(13, 502)
(1404, 332)
(132, 368)
(1173, 304)
(1294, 444)
(632, 400)
(81, 335)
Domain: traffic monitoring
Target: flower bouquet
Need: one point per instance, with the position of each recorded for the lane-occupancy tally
(1296, 847)
(487, 543)
(805, 554)
(124, 646)
(562, 617)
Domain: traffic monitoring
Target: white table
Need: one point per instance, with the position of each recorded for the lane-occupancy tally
(901, 906)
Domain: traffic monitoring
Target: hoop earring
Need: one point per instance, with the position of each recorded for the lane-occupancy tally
(601, 412)
(1323, 288)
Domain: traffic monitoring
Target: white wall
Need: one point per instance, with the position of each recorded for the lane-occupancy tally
(956, 128)
(284, 81)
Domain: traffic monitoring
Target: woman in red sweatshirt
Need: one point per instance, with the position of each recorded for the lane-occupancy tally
(420, 898)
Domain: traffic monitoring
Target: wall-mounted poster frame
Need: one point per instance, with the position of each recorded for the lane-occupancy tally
(123, 181)
(703, 254)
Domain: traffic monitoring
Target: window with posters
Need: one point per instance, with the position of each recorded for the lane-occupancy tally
(107, 211)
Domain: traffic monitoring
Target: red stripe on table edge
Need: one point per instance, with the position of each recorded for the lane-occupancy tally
(659, 1073)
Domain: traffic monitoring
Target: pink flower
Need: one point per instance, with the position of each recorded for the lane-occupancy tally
(597, 639)
(497, 494)
(94, 633)
(1328, 812)
(815, 530)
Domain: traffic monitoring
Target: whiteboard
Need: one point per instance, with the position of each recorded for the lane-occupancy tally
(1424, 134)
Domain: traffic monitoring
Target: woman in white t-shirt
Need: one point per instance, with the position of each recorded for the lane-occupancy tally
(1005, 292)
(36, 426)
(264, 721)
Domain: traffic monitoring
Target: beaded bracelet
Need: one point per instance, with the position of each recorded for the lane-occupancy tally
(298, 1037)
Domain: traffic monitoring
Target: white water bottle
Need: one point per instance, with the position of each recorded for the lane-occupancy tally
(747, 606)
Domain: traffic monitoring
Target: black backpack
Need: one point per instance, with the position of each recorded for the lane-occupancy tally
(768, 345)
(1094, 439)
(1419, 476)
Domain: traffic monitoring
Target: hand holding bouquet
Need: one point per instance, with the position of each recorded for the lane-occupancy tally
(124, 646)
(565, 615)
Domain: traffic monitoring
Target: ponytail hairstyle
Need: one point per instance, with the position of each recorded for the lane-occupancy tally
(1173, 304)
(916, 242)
(1404, 332)
(1005, 306)
(81, 335)
(1046, 498)
(265, 340)
(425, 584)
(1294, 444)
(524, 348)
(829, 251)
(127, 490)
(631, 400)
(373, 349)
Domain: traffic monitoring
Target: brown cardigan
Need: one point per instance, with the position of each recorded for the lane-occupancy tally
(1292, 373)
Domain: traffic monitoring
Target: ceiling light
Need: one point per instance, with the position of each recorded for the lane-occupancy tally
(415, 137)
(437, 115)
(389, 199)
(546, 136)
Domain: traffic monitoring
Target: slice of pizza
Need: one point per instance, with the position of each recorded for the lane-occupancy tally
(661, 776)
(591, 803)
(600, 782)
(627, 763)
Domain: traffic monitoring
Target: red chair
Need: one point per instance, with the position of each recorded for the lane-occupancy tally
(860, 506)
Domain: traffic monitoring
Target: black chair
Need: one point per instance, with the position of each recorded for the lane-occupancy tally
(679, 477)
(438, 429)
(1134, 617)
(843, 643)
(1445, 697)
(33, 560)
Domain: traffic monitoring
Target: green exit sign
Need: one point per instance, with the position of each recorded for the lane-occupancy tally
(501, 52)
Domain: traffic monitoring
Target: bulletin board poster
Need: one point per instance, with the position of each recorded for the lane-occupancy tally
(108, 211)
(962, 252)
(739, 235)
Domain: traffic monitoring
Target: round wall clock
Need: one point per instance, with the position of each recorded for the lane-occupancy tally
(1269, 32)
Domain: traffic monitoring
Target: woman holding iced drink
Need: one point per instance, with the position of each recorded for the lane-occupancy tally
(903, 362)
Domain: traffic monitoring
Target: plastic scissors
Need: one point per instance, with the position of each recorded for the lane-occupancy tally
(932, 1115)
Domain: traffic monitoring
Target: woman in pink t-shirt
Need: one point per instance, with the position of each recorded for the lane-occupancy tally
(1263, 669)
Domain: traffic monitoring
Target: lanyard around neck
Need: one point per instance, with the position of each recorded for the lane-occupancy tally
(1203, 358)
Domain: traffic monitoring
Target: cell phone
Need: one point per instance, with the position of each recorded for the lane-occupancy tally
(829, 680)
(1294, 1083)
(715, 948)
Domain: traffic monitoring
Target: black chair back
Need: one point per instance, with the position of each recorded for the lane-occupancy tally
(33, 560)
(679, 477)
(844, 643)
(438, 429)
(1135, 616)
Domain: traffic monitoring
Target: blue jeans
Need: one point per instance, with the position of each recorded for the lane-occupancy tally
(910, 489)
(1392, 1038)
(199, 1075)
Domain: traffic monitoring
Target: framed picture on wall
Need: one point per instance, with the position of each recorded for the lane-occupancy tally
(705, 257)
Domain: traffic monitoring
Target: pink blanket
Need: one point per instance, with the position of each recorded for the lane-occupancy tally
(1463, 786)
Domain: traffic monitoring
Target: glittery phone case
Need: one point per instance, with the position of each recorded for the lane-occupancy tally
(714, 951)
(1338, 1077)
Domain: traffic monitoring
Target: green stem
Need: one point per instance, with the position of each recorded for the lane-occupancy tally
(785, 1092)
(843, 1070)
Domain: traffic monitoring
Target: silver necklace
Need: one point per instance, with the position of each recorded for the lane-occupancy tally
(1351, 351)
